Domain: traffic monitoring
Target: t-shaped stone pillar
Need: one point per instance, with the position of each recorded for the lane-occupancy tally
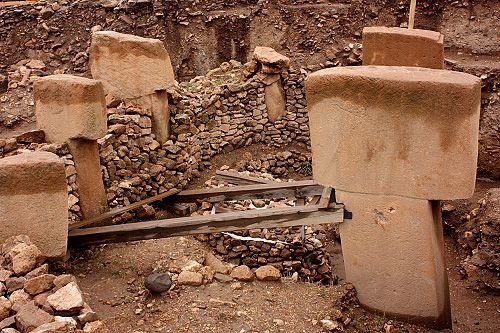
(34, 200)
(72, 110)
(135, 68)
(389, 139)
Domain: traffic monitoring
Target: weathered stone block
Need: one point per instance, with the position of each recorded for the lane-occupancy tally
(70, 107)
(33, 200)
(275, 101)
(393, 252)
(403, 47)
(395, 130)
(130, 66)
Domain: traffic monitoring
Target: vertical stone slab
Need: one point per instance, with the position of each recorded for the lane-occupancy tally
(403, 47)
(395, 130)
(93, 200)
(157, 104)
(393, 252)
(275, 101)
(71, 109)
(133, 67)
(34, 200)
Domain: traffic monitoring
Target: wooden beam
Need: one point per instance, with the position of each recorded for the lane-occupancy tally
(111, 213)
(251, 219)
(325, 197)
(273, 190)
(17, 3)
(238, 179)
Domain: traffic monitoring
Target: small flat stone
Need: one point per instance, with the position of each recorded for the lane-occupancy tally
(39, 284)
(243, 273)
(188, 278)
(224, 278)
(67, 300)
(268, 273)
(30, 317)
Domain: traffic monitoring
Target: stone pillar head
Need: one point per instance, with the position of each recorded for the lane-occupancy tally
(403, 131)
(70, 107)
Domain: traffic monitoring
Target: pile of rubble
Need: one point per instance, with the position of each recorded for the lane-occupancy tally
(34, 141)
(33, 300)
(478, 232)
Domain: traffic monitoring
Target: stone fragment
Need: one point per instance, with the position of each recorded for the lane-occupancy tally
(55, 327)
(189, 278)
(18, 299)
(33, 136)
(243, 273)
(67, 300)
(15, 283)
(192, 266)
(5, 308)
(268, 273)
(5, 274)
(158, 282)
(87, 315)
(403, 47)
(407, 143)
(39, 284)
(223, 278)
(70, 107)
(62, 280)
(31, 182)
(217, 265)
(275, 101)
(393, 251)
(9, 321)
(95, 327)
(115, 58)
(43, 269)
(30, 317)
(25, 258)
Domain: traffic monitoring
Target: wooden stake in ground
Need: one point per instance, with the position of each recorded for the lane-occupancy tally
(413, 6)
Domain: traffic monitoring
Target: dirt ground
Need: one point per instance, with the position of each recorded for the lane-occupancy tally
(112, 278)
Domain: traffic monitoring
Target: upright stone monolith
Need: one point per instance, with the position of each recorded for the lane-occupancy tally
(34, 200)
(135, 69)
(389, 140)
(72, 110)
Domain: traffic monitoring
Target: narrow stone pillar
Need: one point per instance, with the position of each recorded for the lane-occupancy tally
(403, 47)
(71, 109)
(34, 201)
(135, 68)
(389, 139)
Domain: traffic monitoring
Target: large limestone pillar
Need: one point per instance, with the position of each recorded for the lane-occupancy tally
(403, 47)
(71, 109)
(389, 139)
(34, 201)
(136, 69)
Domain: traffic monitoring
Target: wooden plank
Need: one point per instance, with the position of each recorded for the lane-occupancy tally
(17, 3)
(273, 190)
(238, 179)
(111, 213)
(251, 219)
(302, 202)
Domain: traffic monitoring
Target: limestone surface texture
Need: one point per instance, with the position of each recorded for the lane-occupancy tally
(157, 104)
(403, 47)
(33, 200)
(130, 66)
(92, 195)
(275, 101)
(390, 130)
(70, 107)
(393, 252)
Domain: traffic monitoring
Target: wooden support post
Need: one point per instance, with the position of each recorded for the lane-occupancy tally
(413, 6)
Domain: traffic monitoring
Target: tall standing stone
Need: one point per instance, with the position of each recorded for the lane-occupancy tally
(135, 68)
(33, 200)
(72, 110)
